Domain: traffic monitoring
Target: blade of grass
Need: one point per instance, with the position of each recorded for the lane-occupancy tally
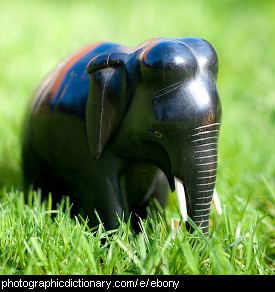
(128, 251)
(49, 208)
(39, 251)
(237, 239)
(190, 258)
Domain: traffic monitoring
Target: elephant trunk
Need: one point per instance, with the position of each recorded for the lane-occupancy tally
(199, 176)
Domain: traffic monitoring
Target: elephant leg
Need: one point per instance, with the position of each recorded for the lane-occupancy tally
(39, 175)
(159, 189)
(100, 195)
(88, 192)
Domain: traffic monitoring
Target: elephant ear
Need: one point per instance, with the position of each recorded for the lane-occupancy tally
(107, 101)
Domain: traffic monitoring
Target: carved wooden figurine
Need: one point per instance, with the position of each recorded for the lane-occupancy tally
(112, 126)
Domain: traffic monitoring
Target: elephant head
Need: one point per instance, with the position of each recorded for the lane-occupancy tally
(159, 103)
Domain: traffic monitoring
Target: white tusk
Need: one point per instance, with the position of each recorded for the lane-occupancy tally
(216, 202)
(181, 197)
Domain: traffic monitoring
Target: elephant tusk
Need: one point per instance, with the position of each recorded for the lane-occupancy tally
(181, 197)
(216, 202)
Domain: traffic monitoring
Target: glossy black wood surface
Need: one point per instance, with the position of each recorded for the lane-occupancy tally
(112, 126)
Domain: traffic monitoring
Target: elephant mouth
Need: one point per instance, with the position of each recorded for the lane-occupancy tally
(181, 198)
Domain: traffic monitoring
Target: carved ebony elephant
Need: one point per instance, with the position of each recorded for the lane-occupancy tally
(112, 126)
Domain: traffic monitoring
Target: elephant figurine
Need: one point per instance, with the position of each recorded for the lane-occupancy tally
(114, 126)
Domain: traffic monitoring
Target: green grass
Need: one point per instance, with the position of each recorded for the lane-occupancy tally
(38, 238)
(35, 239)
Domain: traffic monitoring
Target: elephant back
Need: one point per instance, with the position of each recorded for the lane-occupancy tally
(66, 88)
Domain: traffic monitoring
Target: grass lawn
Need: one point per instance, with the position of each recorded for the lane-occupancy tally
(38, 238)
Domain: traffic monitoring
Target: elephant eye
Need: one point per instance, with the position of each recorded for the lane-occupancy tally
(158, 134)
